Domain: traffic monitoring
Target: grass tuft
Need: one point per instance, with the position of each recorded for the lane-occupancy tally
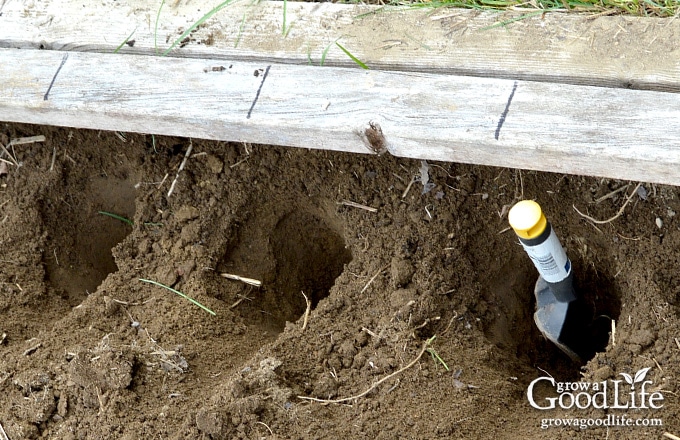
(643, 8)
(436, 357)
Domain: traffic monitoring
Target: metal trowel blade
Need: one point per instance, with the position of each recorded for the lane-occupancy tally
(551, 316)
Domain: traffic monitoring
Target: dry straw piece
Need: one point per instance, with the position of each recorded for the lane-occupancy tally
(372, 387)
(251, 281)
(3, 435)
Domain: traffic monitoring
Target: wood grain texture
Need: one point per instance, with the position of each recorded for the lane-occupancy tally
(616, 133)
(627, 52)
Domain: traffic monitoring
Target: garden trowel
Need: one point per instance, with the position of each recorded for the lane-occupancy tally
(561, 315)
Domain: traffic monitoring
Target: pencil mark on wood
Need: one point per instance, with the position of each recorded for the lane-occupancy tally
(63, 61)
(259, 89)
(505, 112)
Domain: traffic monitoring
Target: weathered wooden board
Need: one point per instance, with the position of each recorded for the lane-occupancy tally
(569, 48)
(617, 133)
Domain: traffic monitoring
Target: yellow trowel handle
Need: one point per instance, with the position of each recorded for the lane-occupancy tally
(543, 247)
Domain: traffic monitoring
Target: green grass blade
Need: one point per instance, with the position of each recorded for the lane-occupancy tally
(436, 357)
(285, 6)
(240, 30)
(125, 41)
(117, 217)
(325, 52)
(155, 32)
(200, 21)
(355, 59)
(156, 283)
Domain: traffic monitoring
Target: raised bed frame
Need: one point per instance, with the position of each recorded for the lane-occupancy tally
(562, 92)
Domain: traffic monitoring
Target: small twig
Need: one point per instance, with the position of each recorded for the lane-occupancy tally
(245, 159)
(613, 333)
(677, 342)
(26, 140)
(408, 187)
(374, 277)
(671, 436)
(125, 303)
(268, 428)
(372, 333)
(251, 281)
(239, 301)
(618, 214)
(54, 158)
(307, 311)
(102, 407)
(358, 205)
(163, 180)
(424, 323)
(181, 167)
(612, 194)
(2, 338)
(3, 434)
(521, 185)
(14, 161)
(372, 387)
(32, 349)
(450, 322)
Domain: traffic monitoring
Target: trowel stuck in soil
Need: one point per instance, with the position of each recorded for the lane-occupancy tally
(562, 315)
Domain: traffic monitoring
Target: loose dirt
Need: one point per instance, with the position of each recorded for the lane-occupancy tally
(87, 351)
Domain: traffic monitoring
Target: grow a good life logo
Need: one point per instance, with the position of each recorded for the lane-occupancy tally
(632, 392)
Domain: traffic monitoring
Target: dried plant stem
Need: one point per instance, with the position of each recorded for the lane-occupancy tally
(14, 161)
(374, 277)
(181, 167)
(358, 205)
(3, 434)
(612, 194)
(618, 214)
(307, 311)
(372, 387)
(27, 140)
(251, 281)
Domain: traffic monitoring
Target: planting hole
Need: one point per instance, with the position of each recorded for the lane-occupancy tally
(512, 327)
(78, 255)
(298, 253)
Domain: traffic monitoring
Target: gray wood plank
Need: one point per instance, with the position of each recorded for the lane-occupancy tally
(616, 133)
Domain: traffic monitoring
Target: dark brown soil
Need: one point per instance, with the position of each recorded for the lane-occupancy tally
(88, 351)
